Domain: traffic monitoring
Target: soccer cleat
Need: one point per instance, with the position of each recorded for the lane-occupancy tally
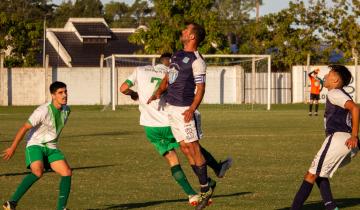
(206, 196)
(225, 165)
(310, 113)
(194, 200)
(316, 114)
(9, 205)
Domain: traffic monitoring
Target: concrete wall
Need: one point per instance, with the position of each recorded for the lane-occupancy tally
(92, 86)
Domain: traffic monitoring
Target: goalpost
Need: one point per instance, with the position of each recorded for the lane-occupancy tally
(231, 79)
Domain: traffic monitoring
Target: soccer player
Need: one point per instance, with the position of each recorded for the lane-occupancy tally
(341, 142)
(45, 125)
(316, 87)
(185, 85)
(156, 123)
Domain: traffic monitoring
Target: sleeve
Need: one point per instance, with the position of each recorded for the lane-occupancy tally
(131, 80)
(199, 70)
(338, 98)
(37, 117)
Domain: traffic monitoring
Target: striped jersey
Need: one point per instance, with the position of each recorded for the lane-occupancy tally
(47, 123)
(186, 70)
(337, 118)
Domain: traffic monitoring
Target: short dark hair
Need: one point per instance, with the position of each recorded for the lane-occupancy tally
(343, 72)
(199, 32)
(56, 85)
(165, 55)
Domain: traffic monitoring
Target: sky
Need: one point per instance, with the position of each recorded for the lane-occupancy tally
(269, 6)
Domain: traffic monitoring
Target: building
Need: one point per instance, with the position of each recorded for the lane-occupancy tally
(83, 40)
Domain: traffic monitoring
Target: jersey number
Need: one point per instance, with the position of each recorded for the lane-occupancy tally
(157, 80)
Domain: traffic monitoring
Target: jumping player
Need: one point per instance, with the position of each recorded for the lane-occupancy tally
(45, 125)
(156, 123)
(341, 142)
(185, 85)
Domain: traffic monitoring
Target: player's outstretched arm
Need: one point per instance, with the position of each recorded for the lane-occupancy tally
(352, 142)
(9, 152)
(125, 89)
(200, 91)
(162, 88)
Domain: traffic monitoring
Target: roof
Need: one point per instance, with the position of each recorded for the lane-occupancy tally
(92, 29)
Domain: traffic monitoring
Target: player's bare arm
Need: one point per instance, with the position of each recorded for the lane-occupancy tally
(162, 88)
(352, 142)
(9, 152)
(125, 89)
(200, 91)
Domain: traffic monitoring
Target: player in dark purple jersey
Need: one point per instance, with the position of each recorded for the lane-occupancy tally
(341, 143)
(185, 85)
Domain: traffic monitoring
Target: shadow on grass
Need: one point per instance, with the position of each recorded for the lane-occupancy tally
(341, 203)
(111, 133)
(74, 169)
(153, 203)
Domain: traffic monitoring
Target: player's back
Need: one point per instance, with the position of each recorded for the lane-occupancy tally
(148, 79)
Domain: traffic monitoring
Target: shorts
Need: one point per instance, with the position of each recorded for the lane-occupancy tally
(162, 139)
(188, 132)
(46, 155)
(332, 155)
(314, 96)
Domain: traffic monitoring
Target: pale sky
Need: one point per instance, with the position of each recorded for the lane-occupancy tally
(269, 6)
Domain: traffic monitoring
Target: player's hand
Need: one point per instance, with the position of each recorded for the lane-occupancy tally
(8, 153)
(188, 115)
(134, 96)
(352, 142)
(152, 98)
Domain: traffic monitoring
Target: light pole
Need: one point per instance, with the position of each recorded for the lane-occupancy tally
(44, 42)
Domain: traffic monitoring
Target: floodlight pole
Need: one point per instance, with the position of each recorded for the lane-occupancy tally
(44, 42)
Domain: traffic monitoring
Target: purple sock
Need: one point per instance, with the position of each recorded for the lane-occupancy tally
(302, 195)
(203, 178)
(325, 191)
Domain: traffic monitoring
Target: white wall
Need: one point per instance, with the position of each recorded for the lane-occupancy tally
(92, 86)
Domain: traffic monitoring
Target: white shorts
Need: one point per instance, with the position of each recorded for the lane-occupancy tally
(188, 132)
(332, 155)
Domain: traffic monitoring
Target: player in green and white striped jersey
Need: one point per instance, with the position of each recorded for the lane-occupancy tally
(44, 125)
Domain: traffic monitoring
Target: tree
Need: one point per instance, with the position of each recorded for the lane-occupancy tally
(21, 27)
(117, 14)
(164, 29)
(87, 8)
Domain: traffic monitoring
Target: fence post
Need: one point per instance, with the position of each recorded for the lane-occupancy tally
(101, 78)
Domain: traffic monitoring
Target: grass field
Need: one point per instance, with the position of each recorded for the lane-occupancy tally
(114, 167)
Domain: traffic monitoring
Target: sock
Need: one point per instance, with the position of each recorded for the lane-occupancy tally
(194, 168)
(24, 186)
(65, 185)
(310, 108)
(325, 191)
(210, 160)
(316, 107)
(181, 179)
(302, 195)
(203, 178)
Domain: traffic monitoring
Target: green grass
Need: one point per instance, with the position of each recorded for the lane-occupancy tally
(116, 168)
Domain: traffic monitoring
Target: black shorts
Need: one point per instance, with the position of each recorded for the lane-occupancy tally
(314, 96)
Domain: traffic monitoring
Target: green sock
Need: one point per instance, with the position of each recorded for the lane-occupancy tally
(181, 179)
(65, 185)
(24, 186)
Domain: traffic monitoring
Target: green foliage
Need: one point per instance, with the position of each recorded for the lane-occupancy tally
(21, 27)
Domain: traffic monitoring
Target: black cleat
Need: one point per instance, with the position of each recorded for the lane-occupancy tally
(9, 205)
(225, 165)
(206, 196)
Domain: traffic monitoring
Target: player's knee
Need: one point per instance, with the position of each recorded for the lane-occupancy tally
(37, 172)
(66, 172)
(309, 177)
